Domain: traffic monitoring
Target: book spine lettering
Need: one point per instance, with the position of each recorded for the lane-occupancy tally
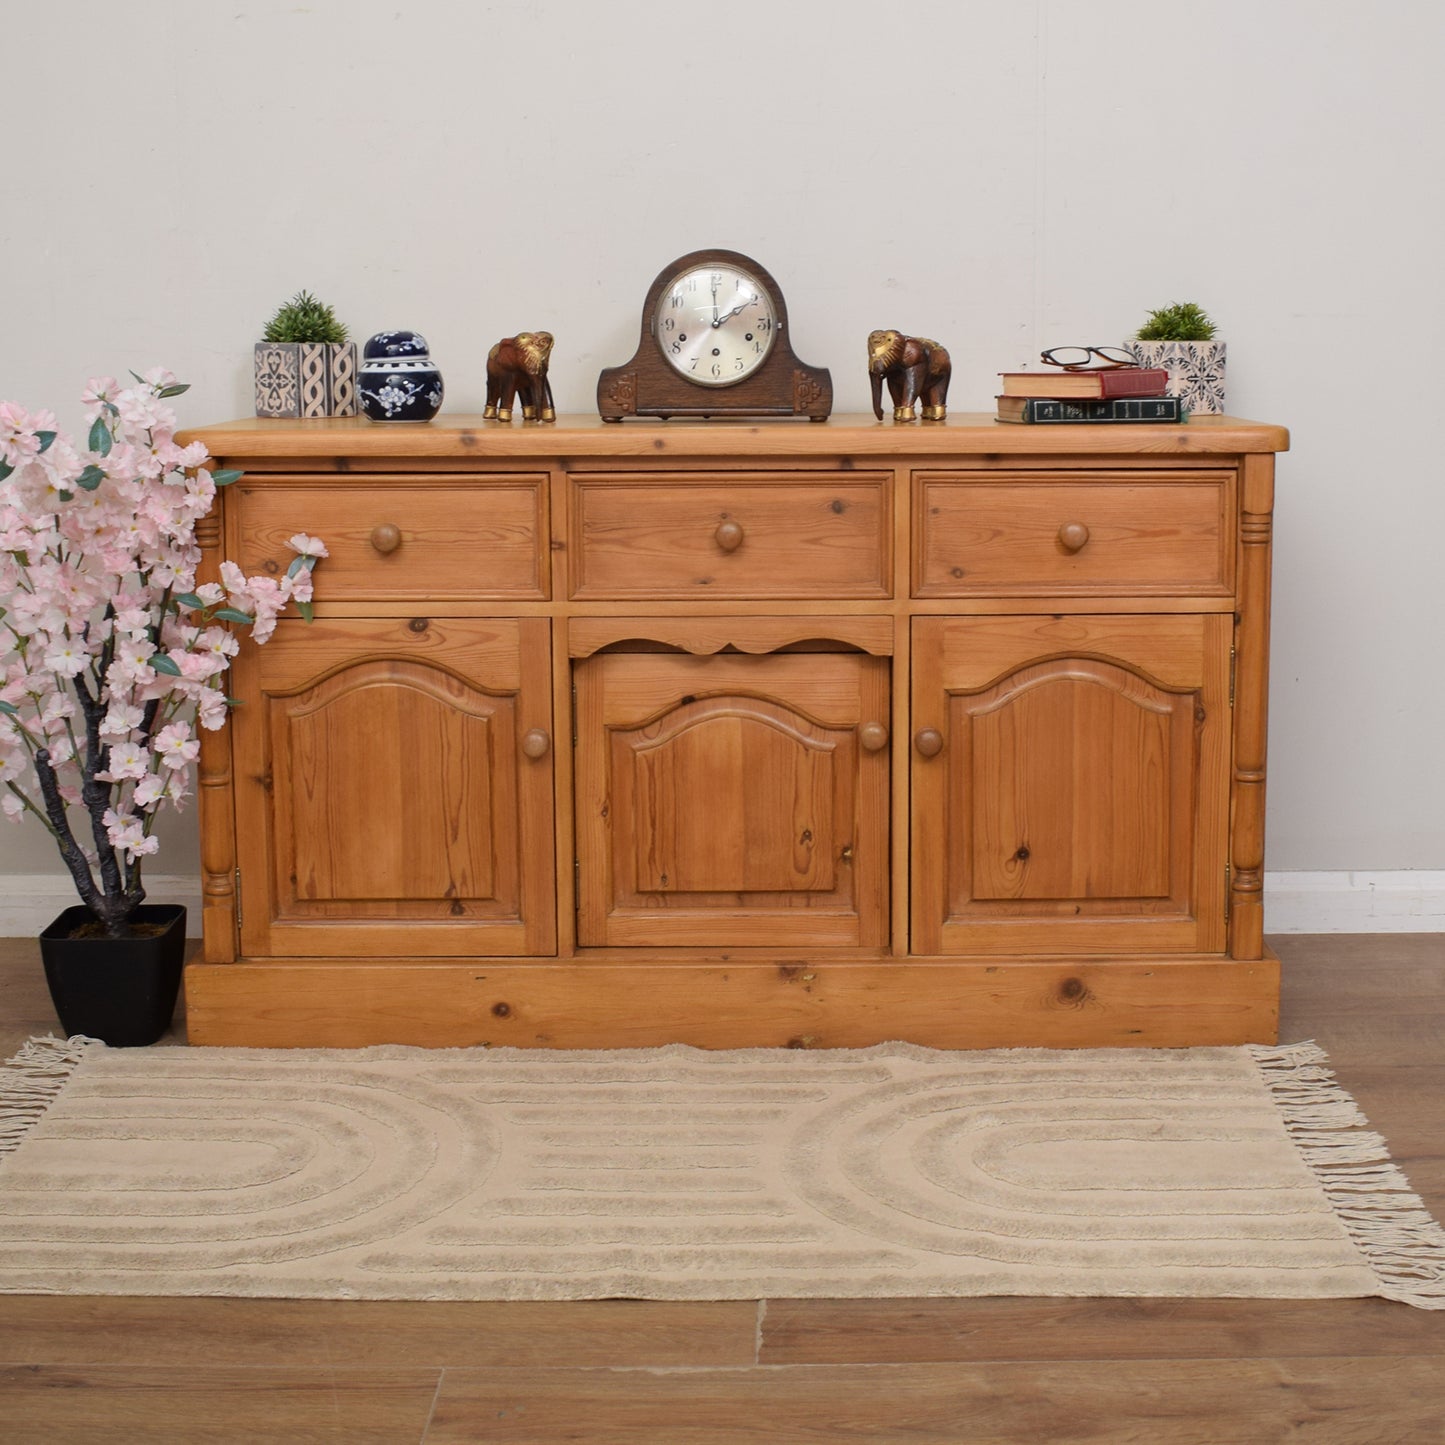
(1139, 408)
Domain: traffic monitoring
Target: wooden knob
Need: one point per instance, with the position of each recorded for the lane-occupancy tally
(929, 742)
(729, 536)
(1073, 536)
(536, 743)
(386, 537)
(873, 736)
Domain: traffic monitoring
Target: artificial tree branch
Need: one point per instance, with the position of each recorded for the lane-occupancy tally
(70, 852)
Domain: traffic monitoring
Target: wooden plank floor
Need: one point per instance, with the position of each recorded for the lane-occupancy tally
(1159, 1372)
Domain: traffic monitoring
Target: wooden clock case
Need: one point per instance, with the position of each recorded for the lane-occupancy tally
(647, 386)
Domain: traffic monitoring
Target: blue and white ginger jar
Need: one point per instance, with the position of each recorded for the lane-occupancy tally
(398, 380)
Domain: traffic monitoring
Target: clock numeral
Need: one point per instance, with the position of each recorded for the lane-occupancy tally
(757, 348)
(669, 324)
(716, 369)
(764, 323)
(676, 348)
(675, 299)
(738, 364)
(693, 363)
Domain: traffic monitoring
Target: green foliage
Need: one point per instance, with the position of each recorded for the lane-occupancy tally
(304, 318)
(1184, 321)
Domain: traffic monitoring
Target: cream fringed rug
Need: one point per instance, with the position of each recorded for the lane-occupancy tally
(400, 1173)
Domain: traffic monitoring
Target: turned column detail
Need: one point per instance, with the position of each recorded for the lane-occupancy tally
(218, 831)
(1251, 708)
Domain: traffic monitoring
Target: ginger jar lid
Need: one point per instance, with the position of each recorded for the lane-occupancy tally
(395, 346)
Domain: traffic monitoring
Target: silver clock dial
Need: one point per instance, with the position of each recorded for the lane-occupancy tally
(715, 325)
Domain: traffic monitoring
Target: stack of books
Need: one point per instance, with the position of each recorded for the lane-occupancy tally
(1123, 393)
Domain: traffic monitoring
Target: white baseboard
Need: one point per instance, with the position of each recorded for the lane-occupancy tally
(28, 901)
(1405, 901)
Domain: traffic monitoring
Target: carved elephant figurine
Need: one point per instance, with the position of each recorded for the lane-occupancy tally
(916, 368)
(516, 366)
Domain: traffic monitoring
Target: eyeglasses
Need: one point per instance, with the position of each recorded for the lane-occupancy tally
(1077, 358)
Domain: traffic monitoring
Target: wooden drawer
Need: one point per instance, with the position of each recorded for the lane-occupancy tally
(737, 535)
(1040, 533)
(466, 537)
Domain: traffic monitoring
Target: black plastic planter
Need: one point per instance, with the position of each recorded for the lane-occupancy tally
(119, 990)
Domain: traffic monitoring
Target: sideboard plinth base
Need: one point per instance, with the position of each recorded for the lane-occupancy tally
(612, 1003)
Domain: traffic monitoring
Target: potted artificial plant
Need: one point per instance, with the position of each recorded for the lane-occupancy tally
(305, 366)
(1181, 339)
(112, 655)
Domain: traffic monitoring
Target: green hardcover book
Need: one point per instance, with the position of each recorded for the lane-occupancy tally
(1121, 408)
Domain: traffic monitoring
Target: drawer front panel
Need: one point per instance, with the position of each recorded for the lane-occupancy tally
(1038, 534)
(747, 535)
(400, 539)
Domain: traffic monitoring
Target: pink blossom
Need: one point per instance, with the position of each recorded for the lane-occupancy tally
(127, 760)
(121, 720)
(133, 621)
(67, 658)
(176, 746)
(307, 546)
(98, 391)
(127, 832)
(18, 442)
(148, 791)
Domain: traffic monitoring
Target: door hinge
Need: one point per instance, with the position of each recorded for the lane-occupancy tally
(576, 885)
(1233, 659)
(238, 900)
(574, 714)
(1228, 893)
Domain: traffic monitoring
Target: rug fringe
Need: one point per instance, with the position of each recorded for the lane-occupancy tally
(32, 1081)
(1371, 1197)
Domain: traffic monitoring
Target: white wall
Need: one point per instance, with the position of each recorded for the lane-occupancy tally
(1001, 176)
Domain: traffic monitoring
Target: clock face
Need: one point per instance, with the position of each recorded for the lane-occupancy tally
(715, 324)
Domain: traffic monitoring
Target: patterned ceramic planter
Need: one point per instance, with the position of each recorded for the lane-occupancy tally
(306, 378)
(398, 380)
(1196, 370)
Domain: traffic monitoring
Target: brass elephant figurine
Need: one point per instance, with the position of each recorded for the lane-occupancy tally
(517, 366)
(916, 369)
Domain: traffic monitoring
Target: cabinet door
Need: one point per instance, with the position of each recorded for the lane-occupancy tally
(732, 801)
(387, 799)
(1070, 784)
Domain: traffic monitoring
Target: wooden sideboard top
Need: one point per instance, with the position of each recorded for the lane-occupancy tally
(583, 436)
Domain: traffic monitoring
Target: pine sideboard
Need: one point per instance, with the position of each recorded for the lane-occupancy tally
(738, 734)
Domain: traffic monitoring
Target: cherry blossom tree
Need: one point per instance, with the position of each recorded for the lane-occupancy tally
(112, 656)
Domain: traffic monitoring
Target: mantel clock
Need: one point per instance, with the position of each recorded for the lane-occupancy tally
(714, 343)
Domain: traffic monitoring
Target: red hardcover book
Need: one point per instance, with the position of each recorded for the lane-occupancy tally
(1101, 385)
